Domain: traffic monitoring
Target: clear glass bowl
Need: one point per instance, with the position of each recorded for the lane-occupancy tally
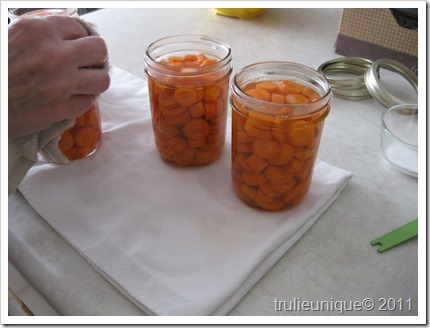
(399, 137)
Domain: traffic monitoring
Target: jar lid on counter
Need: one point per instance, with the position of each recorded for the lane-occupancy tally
(356, 78)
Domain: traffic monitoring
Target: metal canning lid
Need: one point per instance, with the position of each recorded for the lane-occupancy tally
(347, 76)
(375, 86)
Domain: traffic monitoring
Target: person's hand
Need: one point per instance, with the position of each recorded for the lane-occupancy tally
(50, 72)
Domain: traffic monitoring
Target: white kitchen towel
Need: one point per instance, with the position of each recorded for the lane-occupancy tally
(176, 241)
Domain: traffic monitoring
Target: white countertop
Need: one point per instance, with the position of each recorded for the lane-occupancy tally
(334, 261)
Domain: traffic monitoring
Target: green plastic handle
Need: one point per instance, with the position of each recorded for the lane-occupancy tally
(397, 236)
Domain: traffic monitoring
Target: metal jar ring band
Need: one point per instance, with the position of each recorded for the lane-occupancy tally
(377, 89)
(351, 87)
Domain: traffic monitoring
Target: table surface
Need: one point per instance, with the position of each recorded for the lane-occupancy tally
(334, 260)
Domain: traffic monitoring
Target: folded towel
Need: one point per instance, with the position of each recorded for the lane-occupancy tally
(176, 241)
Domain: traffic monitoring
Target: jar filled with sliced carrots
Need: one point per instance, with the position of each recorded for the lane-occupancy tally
(84, 136)
(188, 81)
(278, 113)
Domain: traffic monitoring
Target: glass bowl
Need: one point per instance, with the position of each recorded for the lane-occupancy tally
(399, 137)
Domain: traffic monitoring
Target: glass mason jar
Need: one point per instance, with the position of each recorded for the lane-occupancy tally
(16, 13)
(188, 81)
(84, 137)
(278, 113)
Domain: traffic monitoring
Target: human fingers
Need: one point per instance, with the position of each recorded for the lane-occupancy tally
(91, 81)
(77, 105)
(90, 51)
(66, 27)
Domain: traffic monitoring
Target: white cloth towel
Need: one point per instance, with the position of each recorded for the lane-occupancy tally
(176, 241)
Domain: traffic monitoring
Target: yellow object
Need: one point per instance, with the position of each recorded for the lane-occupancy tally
(244, 13)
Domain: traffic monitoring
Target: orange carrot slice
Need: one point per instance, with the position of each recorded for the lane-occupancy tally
(66, 141)
(196, 129)
(294, 98)
(266, 148)
(84, 137)
(301, 133)
(256, 163)
(288, 86)
(185, 97)
(197, 109)
(259, 94)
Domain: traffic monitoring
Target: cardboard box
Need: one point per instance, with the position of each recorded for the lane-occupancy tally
(376, 33)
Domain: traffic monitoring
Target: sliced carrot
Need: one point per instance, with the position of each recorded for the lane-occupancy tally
(201, 58)
(259, 94)
(237, 175)
(311, 94)
(71, 153)
(174, 59)
(165, 132)
(167, 101)
(215, 136)
(82, 152)
(248, 192)
(180, 145)
(93, 117)
(294, 98)
(262, 119)
(197, 109)
(283, 188)
(196, 129)
(189, 152)
(202, 157)
(196, 143)
(220, 107)
(66, 141)
(267, 85)
(181, 120)
(288, 86)
(298, 190)
(304, 153)
(277, 98)
(295, 165)
(238, 121)
(301, 133)
(84, 137)
(278, 174)
(268, 190)
(185, 97)
(173, 112)
(286, 154)
(212, 93)
(242, 147)
(208, 62)
(304, 173)
(254, 179)
(190, 58)
(243, 136)
(210, 110)
(266, 148)
(242, 163)
(258, 130)
(256, 163)
(268, 203)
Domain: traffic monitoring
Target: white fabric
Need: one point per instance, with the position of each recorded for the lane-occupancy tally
(176, 241)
